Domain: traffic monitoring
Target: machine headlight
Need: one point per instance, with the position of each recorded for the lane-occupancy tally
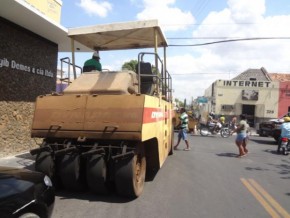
(47, 181)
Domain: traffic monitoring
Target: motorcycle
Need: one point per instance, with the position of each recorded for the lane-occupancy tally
(209, 128)
(284, 146)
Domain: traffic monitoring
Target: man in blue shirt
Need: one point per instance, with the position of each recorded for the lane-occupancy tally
(183, 128)
(285, 131)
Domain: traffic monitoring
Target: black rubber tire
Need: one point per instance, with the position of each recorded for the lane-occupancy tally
(130, 176)
(44, 163)
(204, 131)
(283, 151)
(225, 133)
(172, 142)
(97, 174)
(70, 172)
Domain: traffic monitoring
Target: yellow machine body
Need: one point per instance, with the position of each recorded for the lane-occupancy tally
(92, 112)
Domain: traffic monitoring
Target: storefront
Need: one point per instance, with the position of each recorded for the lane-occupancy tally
(254, 94)
(31, 38)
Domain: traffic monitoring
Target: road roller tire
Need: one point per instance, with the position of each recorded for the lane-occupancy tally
(172, 142)
(96, 174)
(70, 172)
(44, 163)
(130, 176)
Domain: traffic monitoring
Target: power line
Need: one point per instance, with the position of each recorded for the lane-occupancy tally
(206, 37)
(184, 74)
(219, 24)
(229, 40)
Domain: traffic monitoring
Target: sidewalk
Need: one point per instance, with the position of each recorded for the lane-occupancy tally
(24, 160)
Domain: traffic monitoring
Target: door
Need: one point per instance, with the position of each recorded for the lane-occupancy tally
(249, 111)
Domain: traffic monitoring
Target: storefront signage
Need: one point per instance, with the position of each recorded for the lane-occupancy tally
(4, 62)
(243, 83)
(202, 100)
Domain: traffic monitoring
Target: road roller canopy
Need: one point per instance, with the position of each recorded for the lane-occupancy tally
(120, 36)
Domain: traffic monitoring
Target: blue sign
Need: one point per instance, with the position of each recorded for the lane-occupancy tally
(202, 100)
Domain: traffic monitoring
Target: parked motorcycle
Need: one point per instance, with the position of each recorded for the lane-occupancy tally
(284, 146)
(209, 128)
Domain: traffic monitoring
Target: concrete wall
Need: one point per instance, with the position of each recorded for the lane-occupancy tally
(50, 8)
(284, 98)
(28, 66)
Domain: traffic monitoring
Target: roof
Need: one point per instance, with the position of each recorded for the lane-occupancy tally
(254, 74)
(115, 36)
(280, 76)
(28, 17)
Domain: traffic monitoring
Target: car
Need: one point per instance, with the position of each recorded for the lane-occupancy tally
(271, 127)
(25, 193)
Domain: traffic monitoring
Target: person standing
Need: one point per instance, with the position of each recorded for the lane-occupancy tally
(242, 136)
(233, 123)
(93, 63)
(183, 128)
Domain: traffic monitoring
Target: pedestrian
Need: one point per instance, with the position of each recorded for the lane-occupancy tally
(242, 136)
(183, 129)
(233, 123)
(93, 63)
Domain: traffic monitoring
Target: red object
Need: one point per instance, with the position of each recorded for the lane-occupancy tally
(284, 139)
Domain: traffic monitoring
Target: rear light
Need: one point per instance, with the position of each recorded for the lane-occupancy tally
(284, 139)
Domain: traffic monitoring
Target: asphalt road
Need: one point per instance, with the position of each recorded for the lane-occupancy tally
(208, 181)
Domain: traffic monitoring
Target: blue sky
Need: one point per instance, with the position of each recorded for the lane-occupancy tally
(195, 68)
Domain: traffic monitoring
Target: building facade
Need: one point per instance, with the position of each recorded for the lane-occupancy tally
(28, 65)
(253, 93)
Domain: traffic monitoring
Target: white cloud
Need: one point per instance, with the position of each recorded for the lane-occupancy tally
(95, 8)
(246, 10)
(170, 17)
(241, 19)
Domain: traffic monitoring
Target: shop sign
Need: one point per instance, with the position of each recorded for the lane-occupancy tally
(243, 83)
(202, 100)
(4, 62)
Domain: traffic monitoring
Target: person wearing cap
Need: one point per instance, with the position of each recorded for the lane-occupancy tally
(285, 131)
(93, 63)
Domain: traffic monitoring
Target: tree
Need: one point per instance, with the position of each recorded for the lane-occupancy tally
(178, 102)
(131, 65)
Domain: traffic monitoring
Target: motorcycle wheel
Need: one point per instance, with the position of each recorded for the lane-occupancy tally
(225, 132)
(284, 151)
(204, 131)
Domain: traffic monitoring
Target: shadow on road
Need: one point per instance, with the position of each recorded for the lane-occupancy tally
(88, 196)
(263, 141)
(256, 169)
(227, 154)
(284, 168)
(271, 151)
